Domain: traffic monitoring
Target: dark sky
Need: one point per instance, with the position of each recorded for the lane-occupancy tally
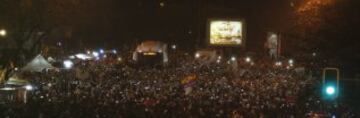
(112, 23)
(119, 23)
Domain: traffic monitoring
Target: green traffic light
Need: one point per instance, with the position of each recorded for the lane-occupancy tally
(330, 90)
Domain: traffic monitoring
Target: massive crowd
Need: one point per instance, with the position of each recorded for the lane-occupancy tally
(94, 89)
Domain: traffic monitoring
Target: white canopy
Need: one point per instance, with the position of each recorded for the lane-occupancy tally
(51, 60)
(38, 64)
(16, 79)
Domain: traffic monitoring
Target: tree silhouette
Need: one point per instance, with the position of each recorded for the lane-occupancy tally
(29, 22)
(324, 24)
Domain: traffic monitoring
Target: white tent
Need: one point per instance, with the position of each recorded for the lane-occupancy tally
(51, 60)
(17, 79)
(38, 64)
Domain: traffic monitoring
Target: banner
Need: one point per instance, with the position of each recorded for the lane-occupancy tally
(273, 44)
(188, 82)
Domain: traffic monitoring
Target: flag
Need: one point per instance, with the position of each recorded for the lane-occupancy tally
(188, 82)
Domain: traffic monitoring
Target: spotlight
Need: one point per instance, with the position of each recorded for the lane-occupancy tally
(29, 87)
(279, 63)
(173, 47)
(96, 54)
(114, 51)
(233, 58)
(102, 51)
(68, 64)
(197, 55)
(291, 61)
(248, 59)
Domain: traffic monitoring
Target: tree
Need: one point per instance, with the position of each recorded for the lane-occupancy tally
(29, 22)
(324, 24)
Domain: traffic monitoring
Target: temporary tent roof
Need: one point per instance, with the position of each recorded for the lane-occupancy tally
(16, 79)
(51, 60)
(38, 64)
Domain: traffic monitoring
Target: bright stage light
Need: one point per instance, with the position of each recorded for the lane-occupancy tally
(96, 54)
(82, 56)
(68, 64)
(102, 51)
(29, 87)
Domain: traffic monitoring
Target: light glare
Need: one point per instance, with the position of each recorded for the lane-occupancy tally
(96, 54)
(248, 59)
(291, 61)
(233, 58)
(330, 90)
(279, 63)
(173, 47)
(3, 32)
(68, 64)
(114, 51)
(102, 51)
(29, 87)
(197, 55)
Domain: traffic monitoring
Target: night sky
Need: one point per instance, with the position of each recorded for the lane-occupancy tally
(113, 23)
(125, 23)
(119, 23)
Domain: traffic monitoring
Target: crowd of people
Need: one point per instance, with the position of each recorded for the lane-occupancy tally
(99, 90)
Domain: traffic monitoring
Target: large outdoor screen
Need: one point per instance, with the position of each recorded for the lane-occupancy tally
(226, 32)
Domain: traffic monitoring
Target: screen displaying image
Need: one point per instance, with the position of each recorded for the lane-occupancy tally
(226, 32)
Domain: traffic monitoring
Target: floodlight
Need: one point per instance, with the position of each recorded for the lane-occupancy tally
(68, 64)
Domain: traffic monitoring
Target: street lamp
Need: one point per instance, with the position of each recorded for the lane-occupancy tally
(96, 54)
(173, 47)
(197, 55)
(119, 59)
(68, 64)
(248, 59)
(102, 51)
(29, 87)
(233, 58)
(114, 51)
(279, 63)
(2, 32)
